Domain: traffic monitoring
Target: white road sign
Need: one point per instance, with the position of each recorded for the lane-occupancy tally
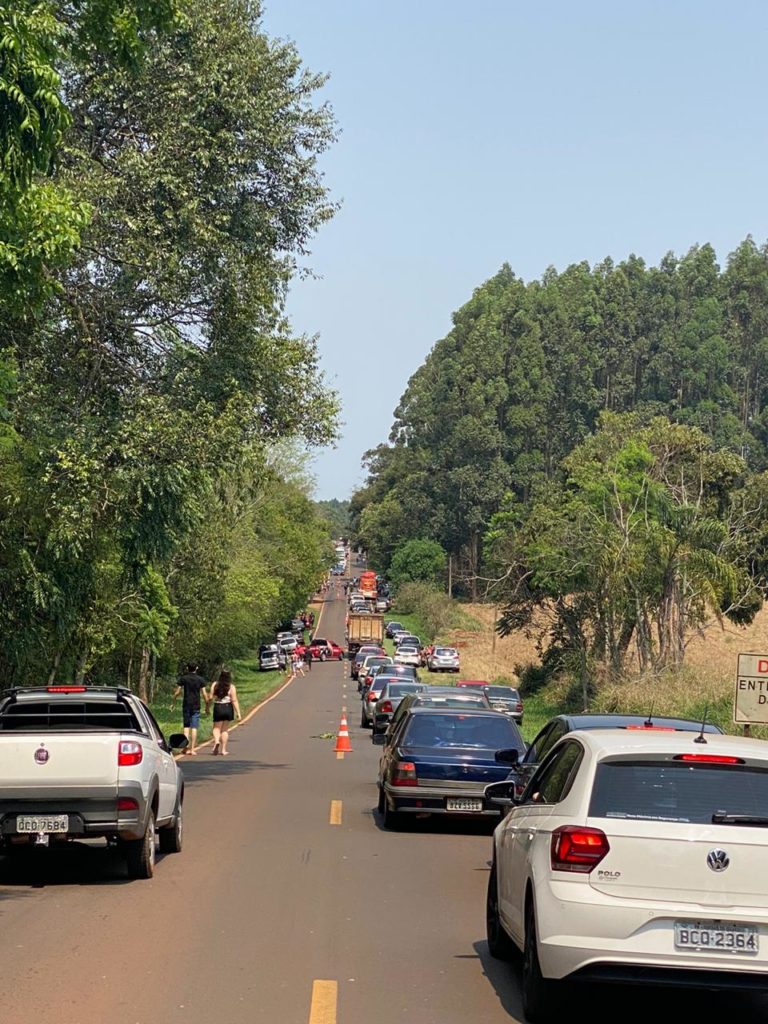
(750, 706)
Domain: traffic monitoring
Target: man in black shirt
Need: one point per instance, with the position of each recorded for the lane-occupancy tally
(192, 685)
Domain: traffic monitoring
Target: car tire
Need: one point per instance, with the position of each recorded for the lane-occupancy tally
(539, 993)
(140, 853)
(171, 837)
(392, 820)
(323, 656)
(500, 946)
(380, 805)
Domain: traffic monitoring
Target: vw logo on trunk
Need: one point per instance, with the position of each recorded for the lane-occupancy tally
(41, 754)
(718, 860)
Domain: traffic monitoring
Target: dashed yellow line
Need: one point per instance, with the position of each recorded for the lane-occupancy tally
(335, 818)
(324, 1000)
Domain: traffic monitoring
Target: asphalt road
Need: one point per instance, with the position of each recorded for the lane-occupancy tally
(274, 913)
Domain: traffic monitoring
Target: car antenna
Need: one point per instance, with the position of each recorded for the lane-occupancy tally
(648, 723)
(700, 737)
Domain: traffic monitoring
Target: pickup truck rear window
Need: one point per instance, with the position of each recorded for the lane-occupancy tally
(64, 716)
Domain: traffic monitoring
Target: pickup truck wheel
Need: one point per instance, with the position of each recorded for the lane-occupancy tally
(172, 836)
(140, 853)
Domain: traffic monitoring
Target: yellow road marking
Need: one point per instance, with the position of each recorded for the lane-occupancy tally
(339, 755)
(335, 818)
(324, 999)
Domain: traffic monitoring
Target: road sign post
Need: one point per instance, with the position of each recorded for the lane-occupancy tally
(750, 704)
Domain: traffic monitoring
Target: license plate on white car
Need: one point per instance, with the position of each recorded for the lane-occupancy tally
(463, 804)
(716, 937)
(42, 823)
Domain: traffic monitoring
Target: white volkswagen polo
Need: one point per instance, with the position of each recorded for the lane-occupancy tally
(635, 856)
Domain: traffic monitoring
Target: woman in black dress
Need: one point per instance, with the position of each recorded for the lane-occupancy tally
(225, 709)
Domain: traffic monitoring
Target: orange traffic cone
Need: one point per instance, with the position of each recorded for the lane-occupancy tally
(343, 745)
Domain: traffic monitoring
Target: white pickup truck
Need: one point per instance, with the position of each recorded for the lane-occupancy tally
(86, 762)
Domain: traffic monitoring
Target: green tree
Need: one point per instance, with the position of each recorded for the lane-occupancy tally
(418, 561)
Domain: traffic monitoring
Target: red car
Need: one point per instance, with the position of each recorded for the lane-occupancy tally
(323, 650)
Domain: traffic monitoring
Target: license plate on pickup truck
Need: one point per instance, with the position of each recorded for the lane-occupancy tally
(42, 823)
(716, 937)
(463, 804)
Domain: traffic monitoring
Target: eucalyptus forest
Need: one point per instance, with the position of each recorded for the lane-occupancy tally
(594, 442)
(158, 189)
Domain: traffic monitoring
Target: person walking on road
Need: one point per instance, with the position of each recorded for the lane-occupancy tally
(225, 709)
(297, 665)
(192, 685)
(309, 658)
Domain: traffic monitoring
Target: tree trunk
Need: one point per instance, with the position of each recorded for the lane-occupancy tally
(82, 661)
(144, 674)
(54, 668)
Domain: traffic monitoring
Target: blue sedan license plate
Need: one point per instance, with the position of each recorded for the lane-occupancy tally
(716, 937)
(463, 804)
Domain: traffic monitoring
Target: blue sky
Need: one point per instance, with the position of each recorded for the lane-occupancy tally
(528, 132)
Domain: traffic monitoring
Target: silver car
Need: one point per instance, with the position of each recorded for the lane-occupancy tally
(443, 659)
(407, 655)
(389, 701)
(506, 699)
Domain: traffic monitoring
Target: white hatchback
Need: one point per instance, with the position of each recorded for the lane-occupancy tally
(634, 857)
(406, 655)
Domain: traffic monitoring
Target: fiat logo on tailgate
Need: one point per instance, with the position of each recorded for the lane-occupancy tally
(41, 754)
(718, 860)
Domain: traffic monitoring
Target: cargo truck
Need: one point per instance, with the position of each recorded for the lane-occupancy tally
(363, 628)
(368, 585)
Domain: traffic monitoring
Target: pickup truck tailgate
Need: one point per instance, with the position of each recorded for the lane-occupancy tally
(52, 761)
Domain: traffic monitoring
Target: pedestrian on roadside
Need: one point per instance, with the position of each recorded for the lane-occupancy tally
(226, 708)
(309, 658)
(191, 685)
(297, 665)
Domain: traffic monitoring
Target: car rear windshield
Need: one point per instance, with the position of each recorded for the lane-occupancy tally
(502, 692)
(401, 689)
(437, 730)
(62, 716)
(675, 791)
(445, 652)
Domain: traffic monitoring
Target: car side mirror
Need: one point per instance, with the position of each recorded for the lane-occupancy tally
(510, 755)
(178, 741)
(503, 794)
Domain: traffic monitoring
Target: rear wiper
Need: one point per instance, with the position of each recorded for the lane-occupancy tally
(723, 818)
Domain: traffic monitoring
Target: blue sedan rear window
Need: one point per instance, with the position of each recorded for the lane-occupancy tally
(436, 730)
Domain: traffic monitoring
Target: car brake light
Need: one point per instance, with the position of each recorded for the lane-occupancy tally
(372, 696)
(404, 774)
(650, 728)
(386, 707)
(65, 689)
(127, 803)
(576, 848)
(519, 706)
(129, 752)
(709, 758)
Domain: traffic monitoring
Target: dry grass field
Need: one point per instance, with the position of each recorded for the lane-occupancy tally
(705, 685)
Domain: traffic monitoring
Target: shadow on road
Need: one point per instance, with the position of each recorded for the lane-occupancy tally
(73, 864)
(436, 824)
(505, 981)
(202, 768)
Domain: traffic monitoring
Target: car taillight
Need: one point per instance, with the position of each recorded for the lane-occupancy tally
(129, 752)
(387, 707)
(519, 706)
(127, 803)
(576, 848)
(372, 696)
(404, 774)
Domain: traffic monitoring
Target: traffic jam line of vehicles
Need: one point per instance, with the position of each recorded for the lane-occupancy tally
(626, 848)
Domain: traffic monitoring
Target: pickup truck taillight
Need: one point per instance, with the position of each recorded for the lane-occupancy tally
(129, 752)
(404, 774)
(576, 848)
